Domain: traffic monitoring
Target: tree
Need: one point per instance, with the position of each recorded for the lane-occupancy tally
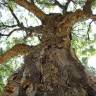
(51, 68)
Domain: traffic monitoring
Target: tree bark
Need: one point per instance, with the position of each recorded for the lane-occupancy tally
(52, 68)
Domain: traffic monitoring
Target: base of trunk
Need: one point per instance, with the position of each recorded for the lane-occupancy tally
(49, 72)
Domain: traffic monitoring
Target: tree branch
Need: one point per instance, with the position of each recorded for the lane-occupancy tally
(17, 29)
(19, 24)
(17, 20)
(13, 31)
(62, 6)
(87, 6)
(3, 35)
(66, 6)
(32, 8)
(20, 49)
(93, 17)
(57, 3)
(29, 30)
(7, 26)
(89, 26)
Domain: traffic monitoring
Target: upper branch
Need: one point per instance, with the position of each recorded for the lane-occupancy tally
(64, 7)
(86, 13)
(87, 6)
(17, 20)
(4, 26)
(57, 3)
(32, 8)
(19, 49)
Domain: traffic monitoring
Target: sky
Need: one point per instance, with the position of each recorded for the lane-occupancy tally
(92, 62)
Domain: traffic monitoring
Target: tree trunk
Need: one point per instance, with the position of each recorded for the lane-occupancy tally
(52, 68)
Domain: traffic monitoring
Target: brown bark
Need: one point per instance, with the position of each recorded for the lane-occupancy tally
(52, 68)
(52, 72)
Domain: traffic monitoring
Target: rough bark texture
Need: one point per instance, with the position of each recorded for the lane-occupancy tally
(52, 69)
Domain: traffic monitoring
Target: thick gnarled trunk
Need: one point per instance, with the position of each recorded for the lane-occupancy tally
(53, 72)
(52, 69)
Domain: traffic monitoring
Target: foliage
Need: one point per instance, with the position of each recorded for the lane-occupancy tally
(83, 41)
(94, 3)
(11, 3)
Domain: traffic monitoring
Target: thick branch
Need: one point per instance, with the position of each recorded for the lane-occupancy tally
(32, 8)
(20, 49)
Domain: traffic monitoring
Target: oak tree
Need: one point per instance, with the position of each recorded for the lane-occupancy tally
(50, 68)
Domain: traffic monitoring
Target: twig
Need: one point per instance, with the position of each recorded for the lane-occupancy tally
(60, 5)
(10, 32)
(89, 26)
(17, 20)
(13, 31)
(66, 6)
(7, 26)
